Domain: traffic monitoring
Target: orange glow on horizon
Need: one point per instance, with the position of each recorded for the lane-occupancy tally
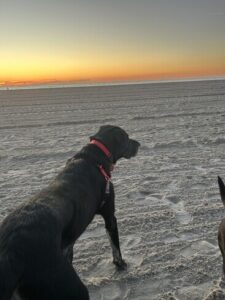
(30, 70)
(110, 77)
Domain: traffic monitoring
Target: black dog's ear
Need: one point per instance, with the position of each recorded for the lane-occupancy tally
(222, 189)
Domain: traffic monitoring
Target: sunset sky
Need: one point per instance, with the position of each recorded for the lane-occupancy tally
(108, 40)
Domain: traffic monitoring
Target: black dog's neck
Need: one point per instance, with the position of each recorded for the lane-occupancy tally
(96, 156)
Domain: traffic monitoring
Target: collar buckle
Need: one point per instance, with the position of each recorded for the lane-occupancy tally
(104, 173)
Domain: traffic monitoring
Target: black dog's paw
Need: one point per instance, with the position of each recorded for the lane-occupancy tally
(120, 264)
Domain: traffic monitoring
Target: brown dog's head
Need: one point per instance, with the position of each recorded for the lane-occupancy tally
(222, 189)
(221, 241)
(117, 141)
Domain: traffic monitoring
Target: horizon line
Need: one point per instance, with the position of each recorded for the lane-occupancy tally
(90, 83)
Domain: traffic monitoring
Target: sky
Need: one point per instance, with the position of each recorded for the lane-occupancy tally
(110, 40)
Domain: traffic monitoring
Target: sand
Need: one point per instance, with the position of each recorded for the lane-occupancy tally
(167, 200)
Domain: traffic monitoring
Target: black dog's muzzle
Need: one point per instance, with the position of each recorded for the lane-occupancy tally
(132, 149)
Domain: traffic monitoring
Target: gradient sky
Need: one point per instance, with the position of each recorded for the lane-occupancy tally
(97, 40)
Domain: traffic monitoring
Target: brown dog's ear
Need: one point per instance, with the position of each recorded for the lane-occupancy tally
(222, 189)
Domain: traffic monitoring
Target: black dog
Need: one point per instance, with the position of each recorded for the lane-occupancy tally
(221, 232)
(36, 240)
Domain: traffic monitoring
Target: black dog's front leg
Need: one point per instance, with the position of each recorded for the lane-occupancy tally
(107, 212)
(112, 231)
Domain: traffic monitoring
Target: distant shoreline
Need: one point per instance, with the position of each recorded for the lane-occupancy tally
(100, 84)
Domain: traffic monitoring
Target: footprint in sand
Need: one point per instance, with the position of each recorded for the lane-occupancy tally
(178, 207)
(114, 291)
(204, 247)
(145, 197)
(130, 241)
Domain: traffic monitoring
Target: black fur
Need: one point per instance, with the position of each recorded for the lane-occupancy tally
(36, 240)
(221, 231)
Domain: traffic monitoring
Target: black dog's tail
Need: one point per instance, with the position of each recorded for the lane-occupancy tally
(222, 189)
(8, 280)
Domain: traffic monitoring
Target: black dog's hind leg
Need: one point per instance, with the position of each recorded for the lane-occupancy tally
(57, 281)
(108, 213)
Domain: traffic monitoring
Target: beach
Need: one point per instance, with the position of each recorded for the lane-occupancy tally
(168, 205)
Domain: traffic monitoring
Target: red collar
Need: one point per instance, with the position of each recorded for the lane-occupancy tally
(104, 149)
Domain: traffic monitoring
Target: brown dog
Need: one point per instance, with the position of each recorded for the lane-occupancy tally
(221, 232)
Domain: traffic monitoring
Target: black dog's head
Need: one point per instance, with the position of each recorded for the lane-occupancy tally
(117, 141)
